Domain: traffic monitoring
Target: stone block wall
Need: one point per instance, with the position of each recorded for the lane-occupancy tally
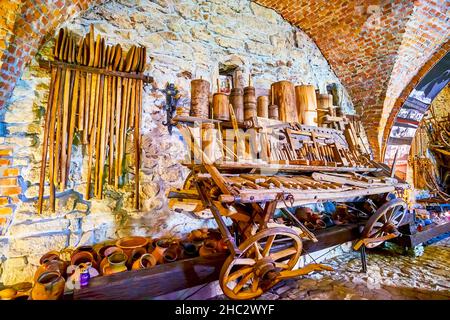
(185, 39)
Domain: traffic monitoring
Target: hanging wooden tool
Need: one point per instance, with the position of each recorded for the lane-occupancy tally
(96, 95)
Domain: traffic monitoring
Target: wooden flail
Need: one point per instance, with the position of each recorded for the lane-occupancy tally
(95, 94)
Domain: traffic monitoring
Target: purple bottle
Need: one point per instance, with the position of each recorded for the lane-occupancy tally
(84, 277)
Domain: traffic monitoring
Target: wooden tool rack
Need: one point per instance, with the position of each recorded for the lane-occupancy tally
(284, 165)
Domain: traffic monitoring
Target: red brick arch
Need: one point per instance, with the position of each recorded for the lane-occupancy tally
(34, 20)
(375, 47)
(408, 89)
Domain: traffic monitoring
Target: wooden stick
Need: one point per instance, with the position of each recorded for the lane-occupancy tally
(101, 155)
(72, 126)
(65, 121)
(47, 128)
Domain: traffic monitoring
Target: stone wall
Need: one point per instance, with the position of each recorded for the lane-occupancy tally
(185, 39)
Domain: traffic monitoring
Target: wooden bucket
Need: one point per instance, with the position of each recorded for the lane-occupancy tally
(221, 110)
(305, 98)
(324, 107)
(263, 106)
(200, 98)
(237, 101)
(284, 98)
(249, 103)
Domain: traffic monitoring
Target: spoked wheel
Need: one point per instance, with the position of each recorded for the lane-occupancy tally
(384, 221)
(255, 270)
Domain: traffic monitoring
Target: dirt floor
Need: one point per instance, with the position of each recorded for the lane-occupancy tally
(390, 276)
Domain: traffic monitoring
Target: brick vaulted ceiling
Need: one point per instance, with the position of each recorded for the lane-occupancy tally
(375, 47)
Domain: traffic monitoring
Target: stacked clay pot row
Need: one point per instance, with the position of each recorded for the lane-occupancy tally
(128, 253)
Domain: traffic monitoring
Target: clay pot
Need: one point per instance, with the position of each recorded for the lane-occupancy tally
(209, 248)
(135, 255)
(303, 214)
(189, 249)
(128, 244)
(89, 249)
(198, 235)
(52, 265)
(145, 261)
(172, 253)
(160, 247)
(21, 297)
(110, 250)
(82, 257)
(222, 246)
(320, 224)
(116, 263)
(49, 256)
(49, 286)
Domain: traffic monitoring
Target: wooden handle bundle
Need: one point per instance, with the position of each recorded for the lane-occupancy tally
(96, 94)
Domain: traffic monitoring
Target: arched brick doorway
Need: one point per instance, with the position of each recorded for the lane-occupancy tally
(411, 112)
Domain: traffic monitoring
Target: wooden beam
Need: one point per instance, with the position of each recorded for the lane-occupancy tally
(152, 282)
(45, 64)
(413, 240)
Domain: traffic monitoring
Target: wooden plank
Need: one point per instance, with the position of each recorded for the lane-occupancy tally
(48, 64)
(423, 236)
(152, 282)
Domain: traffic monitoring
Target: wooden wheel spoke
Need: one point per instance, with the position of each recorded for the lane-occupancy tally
(258, 254)
(243, 271)
(255, 284)
(242, 283)
(244, 261)
(283, 253)
(281, 265)
(268, 246)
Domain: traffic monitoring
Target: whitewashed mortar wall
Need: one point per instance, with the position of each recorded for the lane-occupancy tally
(182, 37)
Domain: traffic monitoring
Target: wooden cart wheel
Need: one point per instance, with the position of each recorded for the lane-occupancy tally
(384, 221)
(256, 268)
(188, 183)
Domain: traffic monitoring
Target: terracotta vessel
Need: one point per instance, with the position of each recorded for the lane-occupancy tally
(116, 263)
(222, 246)
(49, 256)
(208, 248)
(189, 249)
(128, 244)
(172, 253)
(49, 286)
(145, 261)
(89, 249)
(136, 254)
(52, 265)
(82, 257)
(160, 247)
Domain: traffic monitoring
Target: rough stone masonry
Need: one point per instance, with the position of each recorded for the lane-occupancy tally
(184, 40)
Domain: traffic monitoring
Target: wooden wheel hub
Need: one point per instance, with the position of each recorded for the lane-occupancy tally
(265, 269)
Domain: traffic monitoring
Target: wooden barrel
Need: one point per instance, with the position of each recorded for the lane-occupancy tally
(305, 98)
(208, 141)
(200, 98)
(273, 112)
(284, 98)
(249, 103)
(263, 106)
(220, 106)
(324, 107)
(237, 101)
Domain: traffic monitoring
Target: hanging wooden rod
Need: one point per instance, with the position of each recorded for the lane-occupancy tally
(46, 64)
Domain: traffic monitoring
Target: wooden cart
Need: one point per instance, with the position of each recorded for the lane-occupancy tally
(268, 165)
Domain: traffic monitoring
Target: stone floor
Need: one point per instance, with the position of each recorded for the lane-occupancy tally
(390, 276)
